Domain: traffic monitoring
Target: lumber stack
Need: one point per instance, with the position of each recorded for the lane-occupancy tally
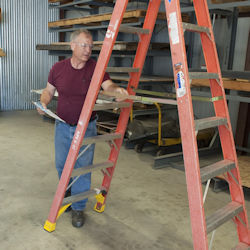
(96, 20)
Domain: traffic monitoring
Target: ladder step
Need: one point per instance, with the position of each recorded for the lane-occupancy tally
(216, 169)
(90, 168)
(111, 105)
(78, 197)
(203, 75)
(209, 122)
(121, 69)
(133, 30)
(195, 28)
(223, 215)
(100, 138)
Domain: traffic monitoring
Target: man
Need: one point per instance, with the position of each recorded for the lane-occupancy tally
(71, 78)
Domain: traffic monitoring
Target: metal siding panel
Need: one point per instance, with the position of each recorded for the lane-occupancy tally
(24, 24)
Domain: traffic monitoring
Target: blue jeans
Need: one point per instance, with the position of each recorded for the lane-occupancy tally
(63, 136)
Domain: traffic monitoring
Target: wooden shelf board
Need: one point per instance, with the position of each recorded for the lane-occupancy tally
(130, 15)
(227, 83)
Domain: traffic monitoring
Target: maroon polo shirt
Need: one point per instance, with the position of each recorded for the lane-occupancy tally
(72, 86)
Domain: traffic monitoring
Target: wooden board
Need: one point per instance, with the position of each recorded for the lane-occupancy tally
(130, 15)
(119, 45)
(2, 52)
(227, 83)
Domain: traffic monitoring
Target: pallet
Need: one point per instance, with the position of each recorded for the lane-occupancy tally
(129, 16)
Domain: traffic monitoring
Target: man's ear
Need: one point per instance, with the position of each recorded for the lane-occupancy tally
(72, 46)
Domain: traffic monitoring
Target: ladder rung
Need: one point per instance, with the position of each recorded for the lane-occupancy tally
(203, 75)
(223, 215)
(78, 197)
(209, 122)
(195, 27)
(100, 138)
(216, 169)
(133, 30)
(111, 105)
(87, 169)
(122, 69)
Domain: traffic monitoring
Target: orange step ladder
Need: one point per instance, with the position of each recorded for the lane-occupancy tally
(60, 203)
(189, 127)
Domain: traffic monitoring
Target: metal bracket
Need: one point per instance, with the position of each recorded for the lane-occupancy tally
(218, 81)
(206, 191)
(231, 174)
(105, 172)
(85, 149)
(112, 144)
(242, 222)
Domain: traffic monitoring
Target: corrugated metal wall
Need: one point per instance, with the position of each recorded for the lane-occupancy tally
(24, 24)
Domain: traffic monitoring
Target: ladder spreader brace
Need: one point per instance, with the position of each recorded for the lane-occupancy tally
(189, 127)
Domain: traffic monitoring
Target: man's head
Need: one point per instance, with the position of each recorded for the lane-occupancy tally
(81, 43)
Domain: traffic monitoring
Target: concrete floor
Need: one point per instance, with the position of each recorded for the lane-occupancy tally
(146, 208)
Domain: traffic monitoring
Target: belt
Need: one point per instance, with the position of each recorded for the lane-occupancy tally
(91, 119)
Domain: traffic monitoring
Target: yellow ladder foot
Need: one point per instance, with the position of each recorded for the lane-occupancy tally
(49, 226)
(99, 206)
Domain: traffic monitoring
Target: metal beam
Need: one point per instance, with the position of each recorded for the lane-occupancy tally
(219, 6)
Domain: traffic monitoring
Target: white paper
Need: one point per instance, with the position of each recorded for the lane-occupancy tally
(48, 111)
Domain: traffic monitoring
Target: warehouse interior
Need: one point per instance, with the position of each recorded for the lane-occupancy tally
(148, 204)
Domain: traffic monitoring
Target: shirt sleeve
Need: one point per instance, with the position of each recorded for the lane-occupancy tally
(106, 77)
(51, 77)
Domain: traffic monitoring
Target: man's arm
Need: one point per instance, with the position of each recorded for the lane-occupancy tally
(110, 86)
(46, 97)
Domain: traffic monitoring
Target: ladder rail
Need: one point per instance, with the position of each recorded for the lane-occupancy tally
(187, 125)
(220, 107)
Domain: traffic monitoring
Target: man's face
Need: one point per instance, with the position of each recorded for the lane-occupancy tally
(82, 47)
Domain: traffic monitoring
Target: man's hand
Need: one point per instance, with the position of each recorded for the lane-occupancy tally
(46, 97)
(119, 92)
(41, 112)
